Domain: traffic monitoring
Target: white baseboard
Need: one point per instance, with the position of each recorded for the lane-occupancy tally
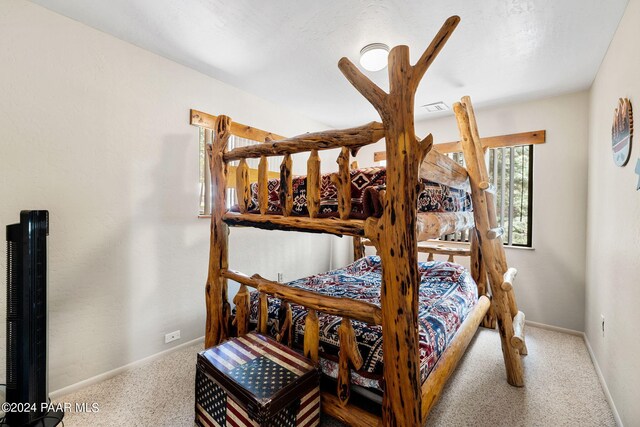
(603, 383)
(607, 394)
(554, 328)
(112, 373)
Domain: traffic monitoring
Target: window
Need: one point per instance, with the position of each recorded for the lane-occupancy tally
(205, 178)
(511, 172)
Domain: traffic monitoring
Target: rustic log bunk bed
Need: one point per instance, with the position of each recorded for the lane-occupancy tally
(408, 396)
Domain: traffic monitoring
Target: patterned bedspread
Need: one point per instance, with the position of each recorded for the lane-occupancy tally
(365, 187)
(447, 294)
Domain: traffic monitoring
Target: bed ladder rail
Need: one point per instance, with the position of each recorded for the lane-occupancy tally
(517, 340)
(510, 321)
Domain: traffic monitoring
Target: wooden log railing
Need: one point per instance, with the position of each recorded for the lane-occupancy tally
(435, 167)
(339, 227)
(241, 301)
(432, 247)
(438, 167)
(313, 184)
(342, 181)
(348, 140)
(337, 306)
(208, 121)
(311, 335)
(353, 139)
(349, 356)
(263, 313)
(243, 186)
(431, 226)
(286, 185)
(285, 332)
(263, 185)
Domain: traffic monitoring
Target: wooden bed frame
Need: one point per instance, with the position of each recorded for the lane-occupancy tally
(406, 400)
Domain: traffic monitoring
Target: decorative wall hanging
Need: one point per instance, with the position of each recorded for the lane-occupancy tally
(622, 132)
(638, 172)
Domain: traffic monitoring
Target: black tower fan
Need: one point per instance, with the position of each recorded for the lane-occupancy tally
(27, 322)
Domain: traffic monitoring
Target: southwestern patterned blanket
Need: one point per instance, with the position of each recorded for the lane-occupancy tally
(366, 185)
(447, 294)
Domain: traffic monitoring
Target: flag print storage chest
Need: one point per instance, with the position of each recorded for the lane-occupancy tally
(255, 381)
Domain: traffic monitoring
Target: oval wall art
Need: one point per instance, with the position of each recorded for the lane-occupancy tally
(622, 132)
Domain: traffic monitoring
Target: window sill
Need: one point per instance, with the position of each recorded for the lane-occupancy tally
(520, 248)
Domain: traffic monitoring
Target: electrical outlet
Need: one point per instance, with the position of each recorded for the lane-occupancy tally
(602, 323)
(280, 277)
(172, 336)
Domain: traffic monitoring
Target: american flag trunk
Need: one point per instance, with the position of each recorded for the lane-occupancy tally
(255, 381)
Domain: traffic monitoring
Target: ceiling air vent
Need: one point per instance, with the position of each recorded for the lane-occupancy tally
(435, 107)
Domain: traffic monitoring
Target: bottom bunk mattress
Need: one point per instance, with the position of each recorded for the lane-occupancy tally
(447, 295)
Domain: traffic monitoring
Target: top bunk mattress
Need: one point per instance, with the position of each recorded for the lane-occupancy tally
(366, 185)
(446, 296)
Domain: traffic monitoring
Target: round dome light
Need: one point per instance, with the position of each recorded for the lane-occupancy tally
(373, 57)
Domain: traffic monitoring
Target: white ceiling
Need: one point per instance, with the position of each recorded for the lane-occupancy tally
(287, 51)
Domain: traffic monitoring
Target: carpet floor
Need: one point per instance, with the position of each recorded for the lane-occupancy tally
(562, 389)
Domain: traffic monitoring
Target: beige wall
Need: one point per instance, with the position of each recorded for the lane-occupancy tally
(96, 131)
(550, 285)
(613, 244)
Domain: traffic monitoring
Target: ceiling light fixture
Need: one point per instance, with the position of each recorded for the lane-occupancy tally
(373, 57)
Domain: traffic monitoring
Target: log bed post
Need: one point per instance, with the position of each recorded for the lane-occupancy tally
(394, 234)
(217, 304)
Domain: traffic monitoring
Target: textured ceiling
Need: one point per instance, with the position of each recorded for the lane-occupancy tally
(287, 51)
